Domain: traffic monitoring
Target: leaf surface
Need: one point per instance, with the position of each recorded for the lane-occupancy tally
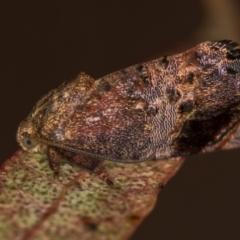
(79, 204)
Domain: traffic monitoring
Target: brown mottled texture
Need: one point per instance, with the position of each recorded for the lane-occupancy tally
(173, 106)
(77, 205)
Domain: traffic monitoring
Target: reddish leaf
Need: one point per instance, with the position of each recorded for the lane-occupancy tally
(78, 205)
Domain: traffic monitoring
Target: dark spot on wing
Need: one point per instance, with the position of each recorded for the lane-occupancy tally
(187, 106)
(104, 86)
(152, 110)
(164, 62)
(231, 71)
(198, 131)
(233, 49)
(173, 94)
(189, 77)
(139, 68)
(233, 54)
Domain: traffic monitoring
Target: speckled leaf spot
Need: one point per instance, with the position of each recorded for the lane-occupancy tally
(173, 106)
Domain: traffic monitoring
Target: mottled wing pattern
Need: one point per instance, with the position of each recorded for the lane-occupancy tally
(171, 106)
(110, 118)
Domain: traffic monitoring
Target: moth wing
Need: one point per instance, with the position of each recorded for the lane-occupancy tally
(103, 120)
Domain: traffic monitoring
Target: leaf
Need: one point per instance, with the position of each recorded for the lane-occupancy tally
(77, 205)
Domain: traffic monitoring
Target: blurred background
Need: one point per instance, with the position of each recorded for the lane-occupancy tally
(44, 43)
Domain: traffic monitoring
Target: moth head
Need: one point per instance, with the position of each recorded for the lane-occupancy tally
(27, 138)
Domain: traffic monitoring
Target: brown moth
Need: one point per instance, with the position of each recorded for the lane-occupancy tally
(173, 106)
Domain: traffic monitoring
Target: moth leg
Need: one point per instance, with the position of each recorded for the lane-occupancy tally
(99, 171)
(93, 165)
(53, 157)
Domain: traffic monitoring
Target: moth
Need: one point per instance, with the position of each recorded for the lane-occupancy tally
(172, 106)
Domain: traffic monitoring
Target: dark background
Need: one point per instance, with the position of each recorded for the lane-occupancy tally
(43, 43)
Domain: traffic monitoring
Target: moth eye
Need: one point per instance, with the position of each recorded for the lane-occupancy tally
(29, 142)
